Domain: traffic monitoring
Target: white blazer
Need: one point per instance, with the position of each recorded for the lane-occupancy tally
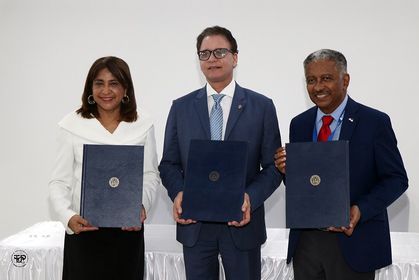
(74, 131)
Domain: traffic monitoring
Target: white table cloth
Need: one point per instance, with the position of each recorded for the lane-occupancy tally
(37, 254)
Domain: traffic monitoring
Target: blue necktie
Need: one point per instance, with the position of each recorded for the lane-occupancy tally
(216, 118)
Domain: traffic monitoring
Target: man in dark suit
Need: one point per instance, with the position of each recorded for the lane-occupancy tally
(247, 116)
(377, 177)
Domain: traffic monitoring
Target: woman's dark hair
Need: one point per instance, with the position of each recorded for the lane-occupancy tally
(120, 71)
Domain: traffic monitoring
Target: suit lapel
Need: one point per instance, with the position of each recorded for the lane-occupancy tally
(201, 106)
(237, 107)
(308, 126)
(350, 120)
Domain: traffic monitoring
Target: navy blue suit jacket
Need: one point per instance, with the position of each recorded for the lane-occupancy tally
(253, 119)
(377, 178)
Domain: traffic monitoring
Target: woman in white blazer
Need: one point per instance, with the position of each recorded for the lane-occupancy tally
(108, 115)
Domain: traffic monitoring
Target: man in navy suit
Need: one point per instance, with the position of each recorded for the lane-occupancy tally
(377, 177)
(247, 116)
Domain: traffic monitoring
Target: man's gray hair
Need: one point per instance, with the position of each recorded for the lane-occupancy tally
(327, 54)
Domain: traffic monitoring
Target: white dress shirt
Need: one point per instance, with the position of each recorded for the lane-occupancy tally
(225, 103)
(74, 131)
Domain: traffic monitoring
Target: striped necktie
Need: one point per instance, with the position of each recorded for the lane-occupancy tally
(216, 118)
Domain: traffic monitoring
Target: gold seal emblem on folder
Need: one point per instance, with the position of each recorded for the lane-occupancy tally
(113, 182)
(315, 180)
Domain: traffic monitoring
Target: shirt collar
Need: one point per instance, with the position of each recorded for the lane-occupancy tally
(336, 114)
(228, 90)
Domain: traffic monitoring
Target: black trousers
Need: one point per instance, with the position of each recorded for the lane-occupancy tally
(318, 257)
(109, 253)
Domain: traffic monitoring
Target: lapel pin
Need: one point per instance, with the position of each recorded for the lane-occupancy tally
(240, 107)
(351, 119)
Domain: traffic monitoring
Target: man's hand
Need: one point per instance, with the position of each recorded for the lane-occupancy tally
(246, 213)
(77, 224)
(177, 211)
(355, 215)
(280, 158)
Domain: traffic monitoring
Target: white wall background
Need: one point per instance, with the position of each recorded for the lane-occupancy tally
(47, 47)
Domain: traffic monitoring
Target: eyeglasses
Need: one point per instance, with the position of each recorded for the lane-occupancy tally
(218, 53)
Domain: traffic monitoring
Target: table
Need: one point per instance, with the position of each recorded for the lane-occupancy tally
(36, 253)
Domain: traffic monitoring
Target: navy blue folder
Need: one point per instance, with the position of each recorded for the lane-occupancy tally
(317, 184)
(215, 181)
(112, 184)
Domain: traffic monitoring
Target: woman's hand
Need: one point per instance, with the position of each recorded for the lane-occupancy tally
(143, 216)
(77, 224)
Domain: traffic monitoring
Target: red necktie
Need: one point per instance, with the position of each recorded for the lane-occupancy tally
(325, 129)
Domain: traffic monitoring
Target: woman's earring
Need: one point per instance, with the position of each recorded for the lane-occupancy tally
(90, 100)
(125, 99)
